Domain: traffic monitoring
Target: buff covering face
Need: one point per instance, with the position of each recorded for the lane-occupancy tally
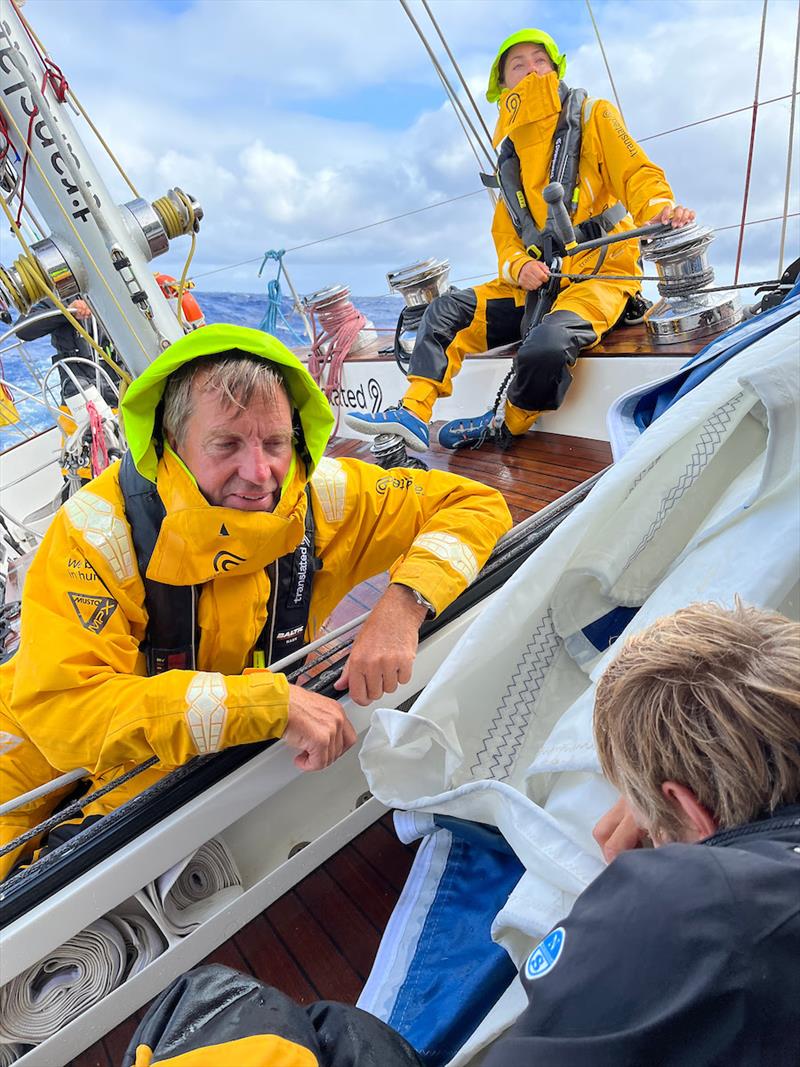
(239, 458)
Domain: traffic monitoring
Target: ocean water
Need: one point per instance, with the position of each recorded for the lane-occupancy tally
(243, 309)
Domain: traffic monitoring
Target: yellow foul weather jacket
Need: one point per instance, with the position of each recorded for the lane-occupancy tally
(612, 168)
(79, 691)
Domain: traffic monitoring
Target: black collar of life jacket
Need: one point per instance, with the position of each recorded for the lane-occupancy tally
(172, 634)
(564, 163)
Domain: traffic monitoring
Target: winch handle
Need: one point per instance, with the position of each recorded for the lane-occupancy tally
(557, 216)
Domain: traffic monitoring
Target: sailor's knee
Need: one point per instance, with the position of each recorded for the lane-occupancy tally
(451, 311)
(545, 347)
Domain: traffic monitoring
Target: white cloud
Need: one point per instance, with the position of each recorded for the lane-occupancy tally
(231, 100)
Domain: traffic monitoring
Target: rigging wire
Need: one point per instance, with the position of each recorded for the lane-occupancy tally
(791, 143)
(490, 156)
(80, 241)
(750, 151)
(346, 233)
(457, 69)
(712, 118)
(605, 58)
(44, 52)
(491, 192)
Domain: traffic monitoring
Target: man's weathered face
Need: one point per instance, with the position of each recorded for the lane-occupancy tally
(238, 457)
(524, 59)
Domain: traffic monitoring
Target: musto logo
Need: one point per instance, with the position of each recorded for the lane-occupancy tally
(362, 398)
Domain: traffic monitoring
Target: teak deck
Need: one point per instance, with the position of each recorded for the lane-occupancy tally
(319, 940)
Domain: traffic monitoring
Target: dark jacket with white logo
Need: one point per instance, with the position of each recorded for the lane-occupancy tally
(682, 955)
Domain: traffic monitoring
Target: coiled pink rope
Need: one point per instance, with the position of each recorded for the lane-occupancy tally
(99, 450)
(337, 328)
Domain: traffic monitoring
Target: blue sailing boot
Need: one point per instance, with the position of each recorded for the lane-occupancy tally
(397, 419)
(466, 433)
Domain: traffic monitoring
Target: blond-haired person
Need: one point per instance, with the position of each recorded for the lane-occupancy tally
(686, 953)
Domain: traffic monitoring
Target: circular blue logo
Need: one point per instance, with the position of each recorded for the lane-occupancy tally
(546, 954)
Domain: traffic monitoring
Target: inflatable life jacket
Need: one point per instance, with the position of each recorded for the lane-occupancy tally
(192, 314)
(564, 169)
(172, 637)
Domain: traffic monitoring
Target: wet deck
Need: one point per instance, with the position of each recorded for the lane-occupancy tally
(318, 941)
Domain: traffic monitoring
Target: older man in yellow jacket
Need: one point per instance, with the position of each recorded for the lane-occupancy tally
(220, 543)
(616, 187)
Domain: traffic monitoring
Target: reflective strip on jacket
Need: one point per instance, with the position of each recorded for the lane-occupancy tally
(80, 692)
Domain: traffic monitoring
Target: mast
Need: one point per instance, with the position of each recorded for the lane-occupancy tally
(95, 247)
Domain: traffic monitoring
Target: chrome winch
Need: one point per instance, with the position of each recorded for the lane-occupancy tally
(686, 310)
(334, 308)
(418, 284)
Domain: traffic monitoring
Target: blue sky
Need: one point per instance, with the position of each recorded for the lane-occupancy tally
(292, 120)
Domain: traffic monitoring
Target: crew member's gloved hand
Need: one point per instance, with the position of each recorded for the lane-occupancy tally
(676, 217)
(383, 653)
(533, 275)
(618, 831)
(318, 728)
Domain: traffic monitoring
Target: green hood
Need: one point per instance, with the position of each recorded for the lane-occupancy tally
(524, 37)
(143, 396)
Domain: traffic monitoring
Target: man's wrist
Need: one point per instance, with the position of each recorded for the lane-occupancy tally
(419, 599)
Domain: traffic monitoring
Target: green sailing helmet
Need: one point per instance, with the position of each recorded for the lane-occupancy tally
(524, 37)
(142, 397)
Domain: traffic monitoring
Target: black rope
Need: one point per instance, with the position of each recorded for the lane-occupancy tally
(655, 278)
(409, 319)
(75, 808)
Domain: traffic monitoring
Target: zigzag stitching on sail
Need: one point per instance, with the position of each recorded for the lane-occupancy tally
(514, 711)
(711, 434)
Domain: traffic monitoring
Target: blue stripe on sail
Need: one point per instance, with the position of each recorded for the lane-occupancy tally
(653, 404)
(457, 972)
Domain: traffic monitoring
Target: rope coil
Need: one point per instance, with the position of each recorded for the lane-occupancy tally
(336, 324)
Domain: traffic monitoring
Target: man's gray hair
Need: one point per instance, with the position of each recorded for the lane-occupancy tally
(237, 376)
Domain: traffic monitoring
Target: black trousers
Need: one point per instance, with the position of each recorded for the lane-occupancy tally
(216, 1014)
(475, 320)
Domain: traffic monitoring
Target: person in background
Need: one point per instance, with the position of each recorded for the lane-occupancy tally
(69, 345)
(611, 186)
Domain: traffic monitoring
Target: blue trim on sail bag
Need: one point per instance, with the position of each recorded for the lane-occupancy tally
(457, 972)
(653, 404)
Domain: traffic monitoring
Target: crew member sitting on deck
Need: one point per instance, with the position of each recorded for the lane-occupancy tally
(220, 544)
(545, 132)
